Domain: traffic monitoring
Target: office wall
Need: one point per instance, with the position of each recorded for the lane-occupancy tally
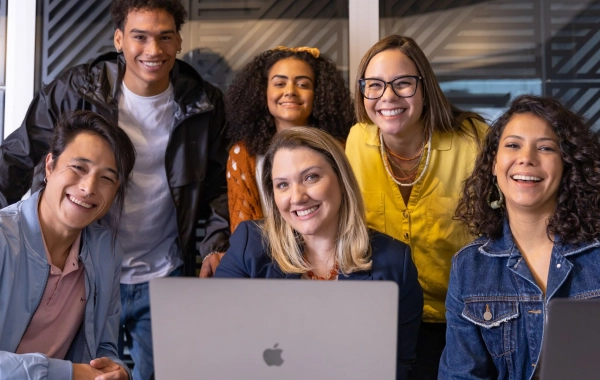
(219, 37)
(486, 52)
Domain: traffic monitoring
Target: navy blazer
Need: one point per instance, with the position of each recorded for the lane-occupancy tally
(247, 257)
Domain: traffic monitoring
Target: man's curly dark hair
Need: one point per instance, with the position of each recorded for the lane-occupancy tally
(119, 9)
(576, 216)
(248, 117)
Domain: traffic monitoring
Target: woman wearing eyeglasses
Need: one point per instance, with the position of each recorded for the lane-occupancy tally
(410, 151)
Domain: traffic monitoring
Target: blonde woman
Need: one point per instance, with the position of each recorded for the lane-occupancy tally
(315, 229)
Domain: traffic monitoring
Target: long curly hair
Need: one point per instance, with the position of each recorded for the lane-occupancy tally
(248, 117)
(576, 216)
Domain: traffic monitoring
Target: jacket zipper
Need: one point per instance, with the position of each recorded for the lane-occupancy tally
(85, 312)
(37, 307)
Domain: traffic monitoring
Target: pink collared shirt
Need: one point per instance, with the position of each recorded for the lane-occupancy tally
(60, 312)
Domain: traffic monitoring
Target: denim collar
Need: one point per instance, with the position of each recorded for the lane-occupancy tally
(505, 245)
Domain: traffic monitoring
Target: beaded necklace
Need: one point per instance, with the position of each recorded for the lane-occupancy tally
(332, 275)
(382, 149)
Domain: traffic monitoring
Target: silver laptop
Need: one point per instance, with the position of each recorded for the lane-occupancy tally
(215, 329)
(571, 348)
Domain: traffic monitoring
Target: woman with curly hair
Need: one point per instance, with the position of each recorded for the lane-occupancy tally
(278, 89)
(410, 152)
(534, 201)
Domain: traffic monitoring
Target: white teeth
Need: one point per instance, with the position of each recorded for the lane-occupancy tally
(392, 112)
(152, 64)
(526, 178)
(81, 203)
(307, 211)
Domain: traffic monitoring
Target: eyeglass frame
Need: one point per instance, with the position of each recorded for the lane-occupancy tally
(361, 83)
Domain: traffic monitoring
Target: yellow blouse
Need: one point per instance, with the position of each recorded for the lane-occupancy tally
(425, 223)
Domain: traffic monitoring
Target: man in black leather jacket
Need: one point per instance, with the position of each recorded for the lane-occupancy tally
(147, 40)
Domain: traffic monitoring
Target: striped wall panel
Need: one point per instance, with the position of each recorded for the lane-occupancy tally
(572, 32)
(267, 9)
(73, 32)
(471, 39)
(220, 36)
(582, 98)
(229, 34)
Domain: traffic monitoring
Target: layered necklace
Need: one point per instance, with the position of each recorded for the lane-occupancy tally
(385, 157)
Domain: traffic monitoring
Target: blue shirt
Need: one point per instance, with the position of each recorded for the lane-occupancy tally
(496, 310)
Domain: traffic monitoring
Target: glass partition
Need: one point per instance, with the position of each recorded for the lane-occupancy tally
(218, 38)
(485, 53)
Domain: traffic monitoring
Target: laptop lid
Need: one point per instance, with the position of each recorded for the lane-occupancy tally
(227, 329)
(571, 340)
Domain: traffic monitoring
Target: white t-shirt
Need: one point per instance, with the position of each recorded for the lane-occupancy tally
(148, 227)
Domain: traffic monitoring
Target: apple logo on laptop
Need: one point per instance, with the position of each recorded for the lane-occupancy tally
(272, 356)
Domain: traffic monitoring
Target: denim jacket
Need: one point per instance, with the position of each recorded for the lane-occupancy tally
(496, 311)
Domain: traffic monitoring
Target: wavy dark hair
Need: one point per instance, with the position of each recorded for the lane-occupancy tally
(248, 117)
(576, 216)
(72, 124)
(119, 9)
(438, 113)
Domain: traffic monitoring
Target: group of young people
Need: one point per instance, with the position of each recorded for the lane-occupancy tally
(480, 226)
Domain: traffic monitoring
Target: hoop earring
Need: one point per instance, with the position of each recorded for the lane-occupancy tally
(46, 180)
(498, 203)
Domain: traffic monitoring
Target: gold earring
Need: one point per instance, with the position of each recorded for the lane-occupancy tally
(498, 203)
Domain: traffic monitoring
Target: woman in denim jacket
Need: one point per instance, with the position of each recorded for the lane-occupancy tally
(534, 200)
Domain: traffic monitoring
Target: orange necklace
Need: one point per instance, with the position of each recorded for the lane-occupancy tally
(419, 155)
(332, 275)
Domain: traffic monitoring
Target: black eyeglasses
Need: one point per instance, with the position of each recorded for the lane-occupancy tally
(404, 86)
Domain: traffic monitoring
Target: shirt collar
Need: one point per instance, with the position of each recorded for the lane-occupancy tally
(504, 246)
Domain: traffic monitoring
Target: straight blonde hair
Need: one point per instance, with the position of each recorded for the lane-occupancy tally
(285, 245)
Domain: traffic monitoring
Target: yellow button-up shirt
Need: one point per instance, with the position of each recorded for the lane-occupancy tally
(425, 223)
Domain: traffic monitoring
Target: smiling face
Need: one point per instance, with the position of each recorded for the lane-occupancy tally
(81, 184)
(528, 165)
(150, 43)
(307, 192)
(290, 92)
(395, 116)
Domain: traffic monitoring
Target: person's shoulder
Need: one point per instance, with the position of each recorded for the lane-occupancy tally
(471, 250)
(85, 74)
(387, 250)
(239, 149)
(98, 235)
(10, 217)
(362, 133)
(250, 232)
(188, 75)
